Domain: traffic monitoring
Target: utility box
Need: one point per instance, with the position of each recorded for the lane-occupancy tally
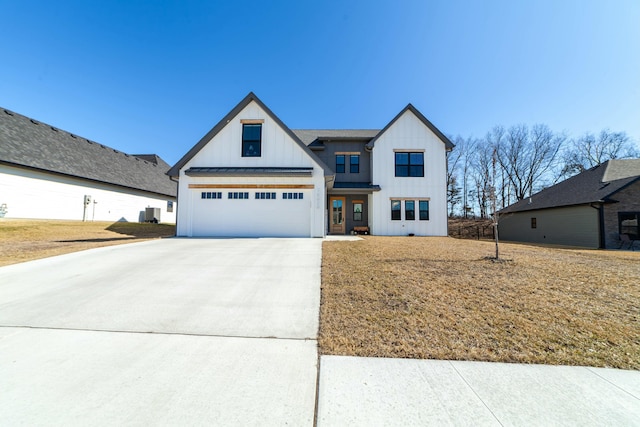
(152, 215)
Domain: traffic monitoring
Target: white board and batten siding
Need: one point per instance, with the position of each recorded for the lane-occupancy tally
(408, 133)
(39, 195)
(252, 217)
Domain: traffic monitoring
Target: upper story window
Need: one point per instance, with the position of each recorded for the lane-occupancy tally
(340, 163)
(354, 163)
(409, 164)
(251, 140)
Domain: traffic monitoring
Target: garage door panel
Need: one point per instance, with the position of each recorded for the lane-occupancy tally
(252, 217)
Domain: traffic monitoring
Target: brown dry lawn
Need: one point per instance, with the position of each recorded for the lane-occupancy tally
(442, 298)
(24, 240)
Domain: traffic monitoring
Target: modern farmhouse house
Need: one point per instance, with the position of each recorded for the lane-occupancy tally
(48, 173)
(253, 176)
(591, 209)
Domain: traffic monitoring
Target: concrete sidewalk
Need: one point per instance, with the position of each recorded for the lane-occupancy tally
(383, 392)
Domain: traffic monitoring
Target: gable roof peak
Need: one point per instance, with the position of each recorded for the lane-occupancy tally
(448, 144)
(175, 170)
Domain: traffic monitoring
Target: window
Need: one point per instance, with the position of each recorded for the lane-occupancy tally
(238, 195)
(628, 223)
(169, 206)
(292, 196)
(395, 210)
(251, 140)
(211, 195)
(410, 164)
(534, 223)
(340, 163)
(409, 210)
(354, 164)
(423, 206)
(357, 211)
(265, 196)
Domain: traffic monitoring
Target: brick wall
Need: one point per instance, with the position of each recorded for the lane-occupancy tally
(629, 201)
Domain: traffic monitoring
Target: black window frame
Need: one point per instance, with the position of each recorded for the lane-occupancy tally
(238, 195)
(354, 167)
(357, 216)
(250, 141)
(211, 195)
(265, 195)
(411, 167)
(628, 230)
(396, 213)
(410, 214)
(423, 214)
(340, 166)
(534, 222)
(293, 196)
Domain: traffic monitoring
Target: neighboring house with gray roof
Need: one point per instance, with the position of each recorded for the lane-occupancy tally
(251, 175)
(590, 209)
(49, 173)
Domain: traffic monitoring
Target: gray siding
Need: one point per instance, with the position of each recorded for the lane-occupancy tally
(328, 156)
(569, 226)
(349, 212)
(628, 200)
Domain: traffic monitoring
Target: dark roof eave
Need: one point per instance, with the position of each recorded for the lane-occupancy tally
(532, 209)
(46, 171)
(254, 172)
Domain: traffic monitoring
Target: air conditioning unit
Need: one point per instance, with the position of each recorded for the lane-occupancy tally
(152, 215)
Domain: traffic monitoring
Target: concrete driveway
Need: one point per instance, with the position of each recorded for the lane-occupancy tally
(166, 332)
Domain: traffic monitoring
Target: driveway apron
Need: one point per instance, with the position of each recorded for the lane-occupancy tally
(166, 332)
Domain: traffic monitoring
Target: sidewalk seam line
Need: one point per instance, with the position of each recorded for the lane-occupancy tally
(474, 392)
(155, 333)
(590, 369)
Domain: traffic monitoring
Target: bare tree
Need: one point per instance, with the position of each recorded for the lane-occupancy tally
(591, 150)
(453, 164)
(481, 176)
(527, 156)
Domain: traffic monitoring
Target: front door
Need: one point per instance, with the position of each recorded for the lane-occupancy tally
(337, 215)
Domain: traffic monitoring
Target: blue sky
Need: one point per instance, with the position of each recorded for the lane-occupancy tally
(155, 76)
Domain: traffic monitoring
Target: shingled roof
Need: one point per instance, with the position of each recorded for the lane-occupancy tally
(308, 136)
(596, 185)
(29, 143)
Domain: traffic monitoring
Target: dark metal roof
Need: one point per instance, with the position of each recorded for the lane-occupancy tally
(308, 136)
(448, 144)
(28, 143)
(233, 171)
(595, 185)
(354, 188)
(175, 170)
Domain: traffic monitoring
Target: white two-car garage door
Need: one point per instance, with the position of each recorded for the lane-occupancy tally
(251, 213)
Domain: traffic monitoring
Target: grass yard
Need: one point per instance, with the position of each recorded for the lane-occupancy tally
(440, 298)
(23, 240)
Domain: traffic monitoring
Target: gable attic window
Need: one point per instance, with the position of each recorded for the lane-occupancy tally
(251, 139)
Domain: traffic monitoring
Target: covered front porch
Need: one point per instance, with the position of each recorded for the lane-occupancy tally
(348, 204)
